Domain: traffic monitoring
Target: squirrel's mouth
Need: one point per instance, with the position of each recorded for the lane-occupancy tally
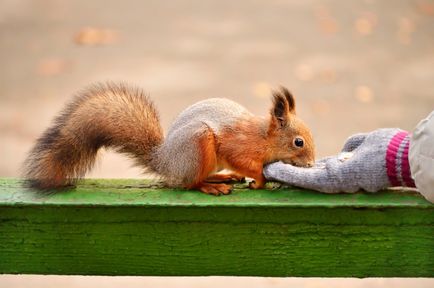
(297, 163)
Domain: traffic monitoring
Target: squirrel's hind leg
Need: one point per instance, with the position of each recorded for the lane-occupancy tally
(215, 189)
(208, 165)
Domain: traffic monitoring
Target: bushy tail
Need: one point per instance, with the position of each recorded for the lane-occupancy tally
(109, 115)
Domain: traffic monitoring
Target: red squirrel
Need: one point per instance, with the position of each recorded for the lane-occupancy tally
(209, 136)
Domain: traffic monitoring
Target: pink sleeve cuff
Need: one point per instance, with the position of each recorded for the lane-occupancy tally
(397, 165)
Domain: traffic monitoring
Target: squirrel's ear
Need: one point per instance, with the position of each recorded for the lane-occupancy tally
(288, 95)
(280, 111)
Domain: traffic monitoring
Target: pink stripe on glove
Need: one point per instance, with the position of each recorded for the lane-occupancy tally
(397, 164)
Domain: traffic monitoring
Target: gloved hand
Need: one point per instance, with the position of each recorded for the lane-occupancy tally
(370, 161)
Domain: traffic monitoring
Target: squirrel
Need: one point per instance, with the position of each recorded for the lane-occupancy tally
(209, 136)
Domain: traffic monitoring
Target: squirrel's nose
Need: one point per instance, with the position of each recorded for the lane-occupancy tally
(310, 164)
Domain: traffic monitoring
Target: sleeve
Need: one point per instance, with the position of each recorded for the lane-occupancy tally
(421, 157)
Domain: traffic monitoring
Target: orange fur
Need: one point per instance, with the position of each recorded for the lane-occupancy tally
(253, 141)
(243, 148)
(208, 165)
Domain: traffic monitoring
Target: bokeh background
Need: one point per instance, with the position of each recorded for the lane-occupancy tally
(353, 66)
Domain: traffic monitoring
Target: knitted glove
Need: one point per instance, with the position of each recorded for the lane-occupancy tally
(370, 161)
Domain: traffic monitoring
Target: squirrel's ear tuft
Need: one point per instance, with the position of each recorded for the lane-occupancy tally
(280, 110)
(289, 97)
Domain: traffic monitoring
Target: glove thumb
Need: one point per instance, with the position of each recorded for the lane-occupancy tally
(354, 141)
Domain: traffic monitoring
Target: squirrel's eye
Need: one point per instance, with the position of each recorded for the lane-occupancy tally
(298, 142)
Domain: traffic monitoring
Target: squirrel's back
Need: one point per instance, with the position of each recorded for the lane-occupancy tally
(216, 113)
(104, 115)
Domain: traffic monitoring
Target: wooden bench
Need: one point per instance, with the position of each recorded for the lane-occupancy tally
(129, 227)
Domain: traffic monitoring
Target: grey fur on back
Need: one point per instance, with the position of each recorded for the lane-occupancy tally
(178, 156)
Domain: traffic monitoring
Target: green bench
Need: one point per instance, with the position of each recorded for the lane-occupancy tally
(129, 227)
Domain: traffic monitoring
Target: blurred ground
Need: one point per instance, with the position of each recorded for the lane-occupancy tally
(353, 65)
(199, 282)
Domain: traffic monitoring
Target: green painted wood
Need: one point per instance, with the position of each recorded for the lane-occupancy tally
(129, 227)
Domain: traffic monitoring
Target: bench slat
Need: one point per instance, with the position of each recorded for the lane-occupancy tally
(129, 227)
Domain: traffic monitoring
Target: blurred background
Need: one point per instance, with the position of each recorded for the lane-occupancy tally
(353, 66)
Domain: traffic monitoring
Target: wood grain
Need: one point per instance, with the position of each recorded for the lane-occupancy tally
(124, 227)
